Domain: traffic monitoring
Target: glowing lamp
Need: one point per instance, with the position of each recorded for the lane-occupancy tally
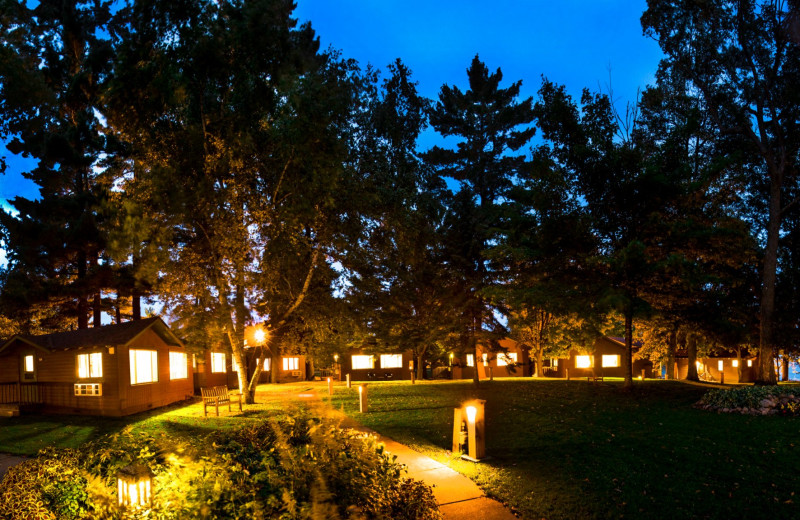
(260, 335)
(336, 358)
(134, 485)
(471, 413)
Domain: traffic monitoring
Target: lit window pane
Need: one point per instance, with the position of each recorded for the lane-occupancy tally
(749, 362)
(485, 359)
(291, 363)
(391, 361)
(720, 365)
(267, 363)
(217, 362)
(583, 361)
(362, 362)
(178, 363)
(28, 363)
(735, 363)
(470, 360)
(90, 365)
(144, 366)
(506, 359)
(610, 360)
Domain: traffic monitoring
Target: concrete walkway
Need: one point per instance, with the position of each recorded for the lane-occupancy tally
(458, 496)
(7, 461)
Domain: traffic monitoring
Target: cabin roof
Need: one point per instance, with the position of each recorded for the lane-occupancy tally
(108, 335)
(621, 341)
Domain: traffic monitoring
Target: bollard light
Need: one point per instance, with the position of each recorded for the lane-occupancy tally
(330, 386)
(469, 430)
(134, 485)
(348, 381)
(362, 399)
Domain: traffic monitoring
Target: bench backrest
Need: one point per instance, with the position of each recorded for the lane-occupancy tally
(215, 391)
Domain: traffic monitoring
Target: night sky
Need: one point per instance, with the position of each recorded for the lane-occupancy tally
(579, 43)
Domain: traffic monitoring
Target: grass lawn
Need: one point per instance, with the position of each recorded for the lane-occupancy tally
(27, 434)
(572, 449)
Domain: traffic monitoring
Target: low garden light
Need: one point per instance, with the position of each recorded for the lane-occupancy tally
(469, 430)
(349, 384)
(330, 386)
(363, 405)
(134, 485)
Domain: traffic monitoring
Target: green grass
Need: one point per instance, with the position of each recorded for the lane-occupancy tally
(558, 449)
(27, 434)
(573, 449)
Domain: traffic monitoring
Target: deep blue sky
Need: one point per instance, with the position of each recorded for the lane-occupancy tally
(579, 43)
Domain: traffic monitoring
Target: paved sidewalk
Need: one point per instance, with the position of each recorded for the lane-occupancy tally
(6, 461)
(458, 496)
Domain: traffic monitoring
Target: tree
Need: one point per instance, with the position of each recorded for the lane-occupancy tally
(54, 63)
(237, 130)
(491, 126)
(742, 61)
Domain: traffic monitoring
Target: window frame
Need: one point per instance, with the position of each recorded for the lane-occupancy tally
(89, 365)
(215, 366)
(471, 360)
(153, 366)
(357, 366)
(584, 361)
(617, 360)
(394, 357)
(505, 359)
(288, 361)
(184, 365)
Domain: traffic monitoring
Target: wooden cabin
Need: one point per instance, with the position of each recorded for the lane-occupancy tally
(724, 368)
(512, 360)
(217, 367)
(605, 360)
(363, 365)
(113, 370)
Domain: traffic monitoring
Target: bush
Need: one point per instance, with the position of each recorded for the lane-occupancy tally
(749, 397)
(299, 468)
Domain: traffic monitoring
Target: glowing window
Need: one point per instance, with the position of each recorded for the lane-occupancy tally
(90, 365)
(217, 362)
(735, 363)
(361, 362)
(144, 366)
(178, 363)
(610, 360)
(720, 364)
(749, 362)
(555, 362)
(485, 359)
(470, 360)
(291, 363)
(391, 361)
(507, 358)
(194, 362)
(267, 364)
(583, 361)
(28, 364)
(234, 364)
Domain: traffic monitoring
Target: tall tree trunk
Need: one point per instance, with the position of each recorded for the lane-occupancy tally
(420, 366)
(274, 365)
(691, 354)
(310, 367)
(672, 347)
(136, 305)
(83, 302)
(97, 311)
(785, 367)
(628, 348)
(539, 359)
(473, 347)
(765, 374)
(739, 363)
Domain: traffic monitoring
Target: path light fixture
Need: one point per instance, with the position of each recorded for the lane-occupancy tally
(469, 430)
(134, 486)
(349, 384)
(330, 386)
(362, 399)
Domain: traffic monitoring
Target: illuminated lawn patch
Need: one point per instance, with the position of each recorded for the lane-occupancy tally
(574, 449)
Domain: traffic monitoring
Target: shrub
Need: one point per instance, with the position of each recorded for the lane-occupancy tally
(746, 396)
(298, 468)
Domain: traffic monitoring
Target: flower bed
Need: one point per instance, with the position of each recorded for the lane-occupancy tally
(753, 400)
(293, 469)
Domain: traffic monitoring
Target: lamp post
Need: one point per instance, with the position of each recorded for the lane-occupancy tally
(134, 485)
(336, 367)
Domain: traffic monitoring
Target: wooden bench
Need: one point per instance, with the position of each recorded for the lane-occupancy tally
(217, 395)
(594, 378)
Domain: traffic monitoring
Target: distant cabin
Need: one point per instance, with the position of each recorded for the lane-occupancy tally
(216, 367)
(363, 365)
(606, 359)
(512, 360)
(114, 370)
(724, 367)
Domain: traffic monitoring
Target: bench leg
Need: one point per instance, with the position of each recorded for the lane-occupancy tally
(205, 408)
(217, 401)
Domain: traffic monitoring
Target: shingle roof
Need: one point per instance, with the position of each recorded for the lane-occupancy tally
(108, 335)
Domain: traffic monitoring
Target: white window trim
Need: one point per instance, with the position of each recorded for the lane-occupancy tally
(362, 357)
(583, 361)
(470, 360)
(215, 367)
(506, 358)
(608, 358)
(391, 360)
(91, 366)
(153, 367)
(291, 363)
(182, 364)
